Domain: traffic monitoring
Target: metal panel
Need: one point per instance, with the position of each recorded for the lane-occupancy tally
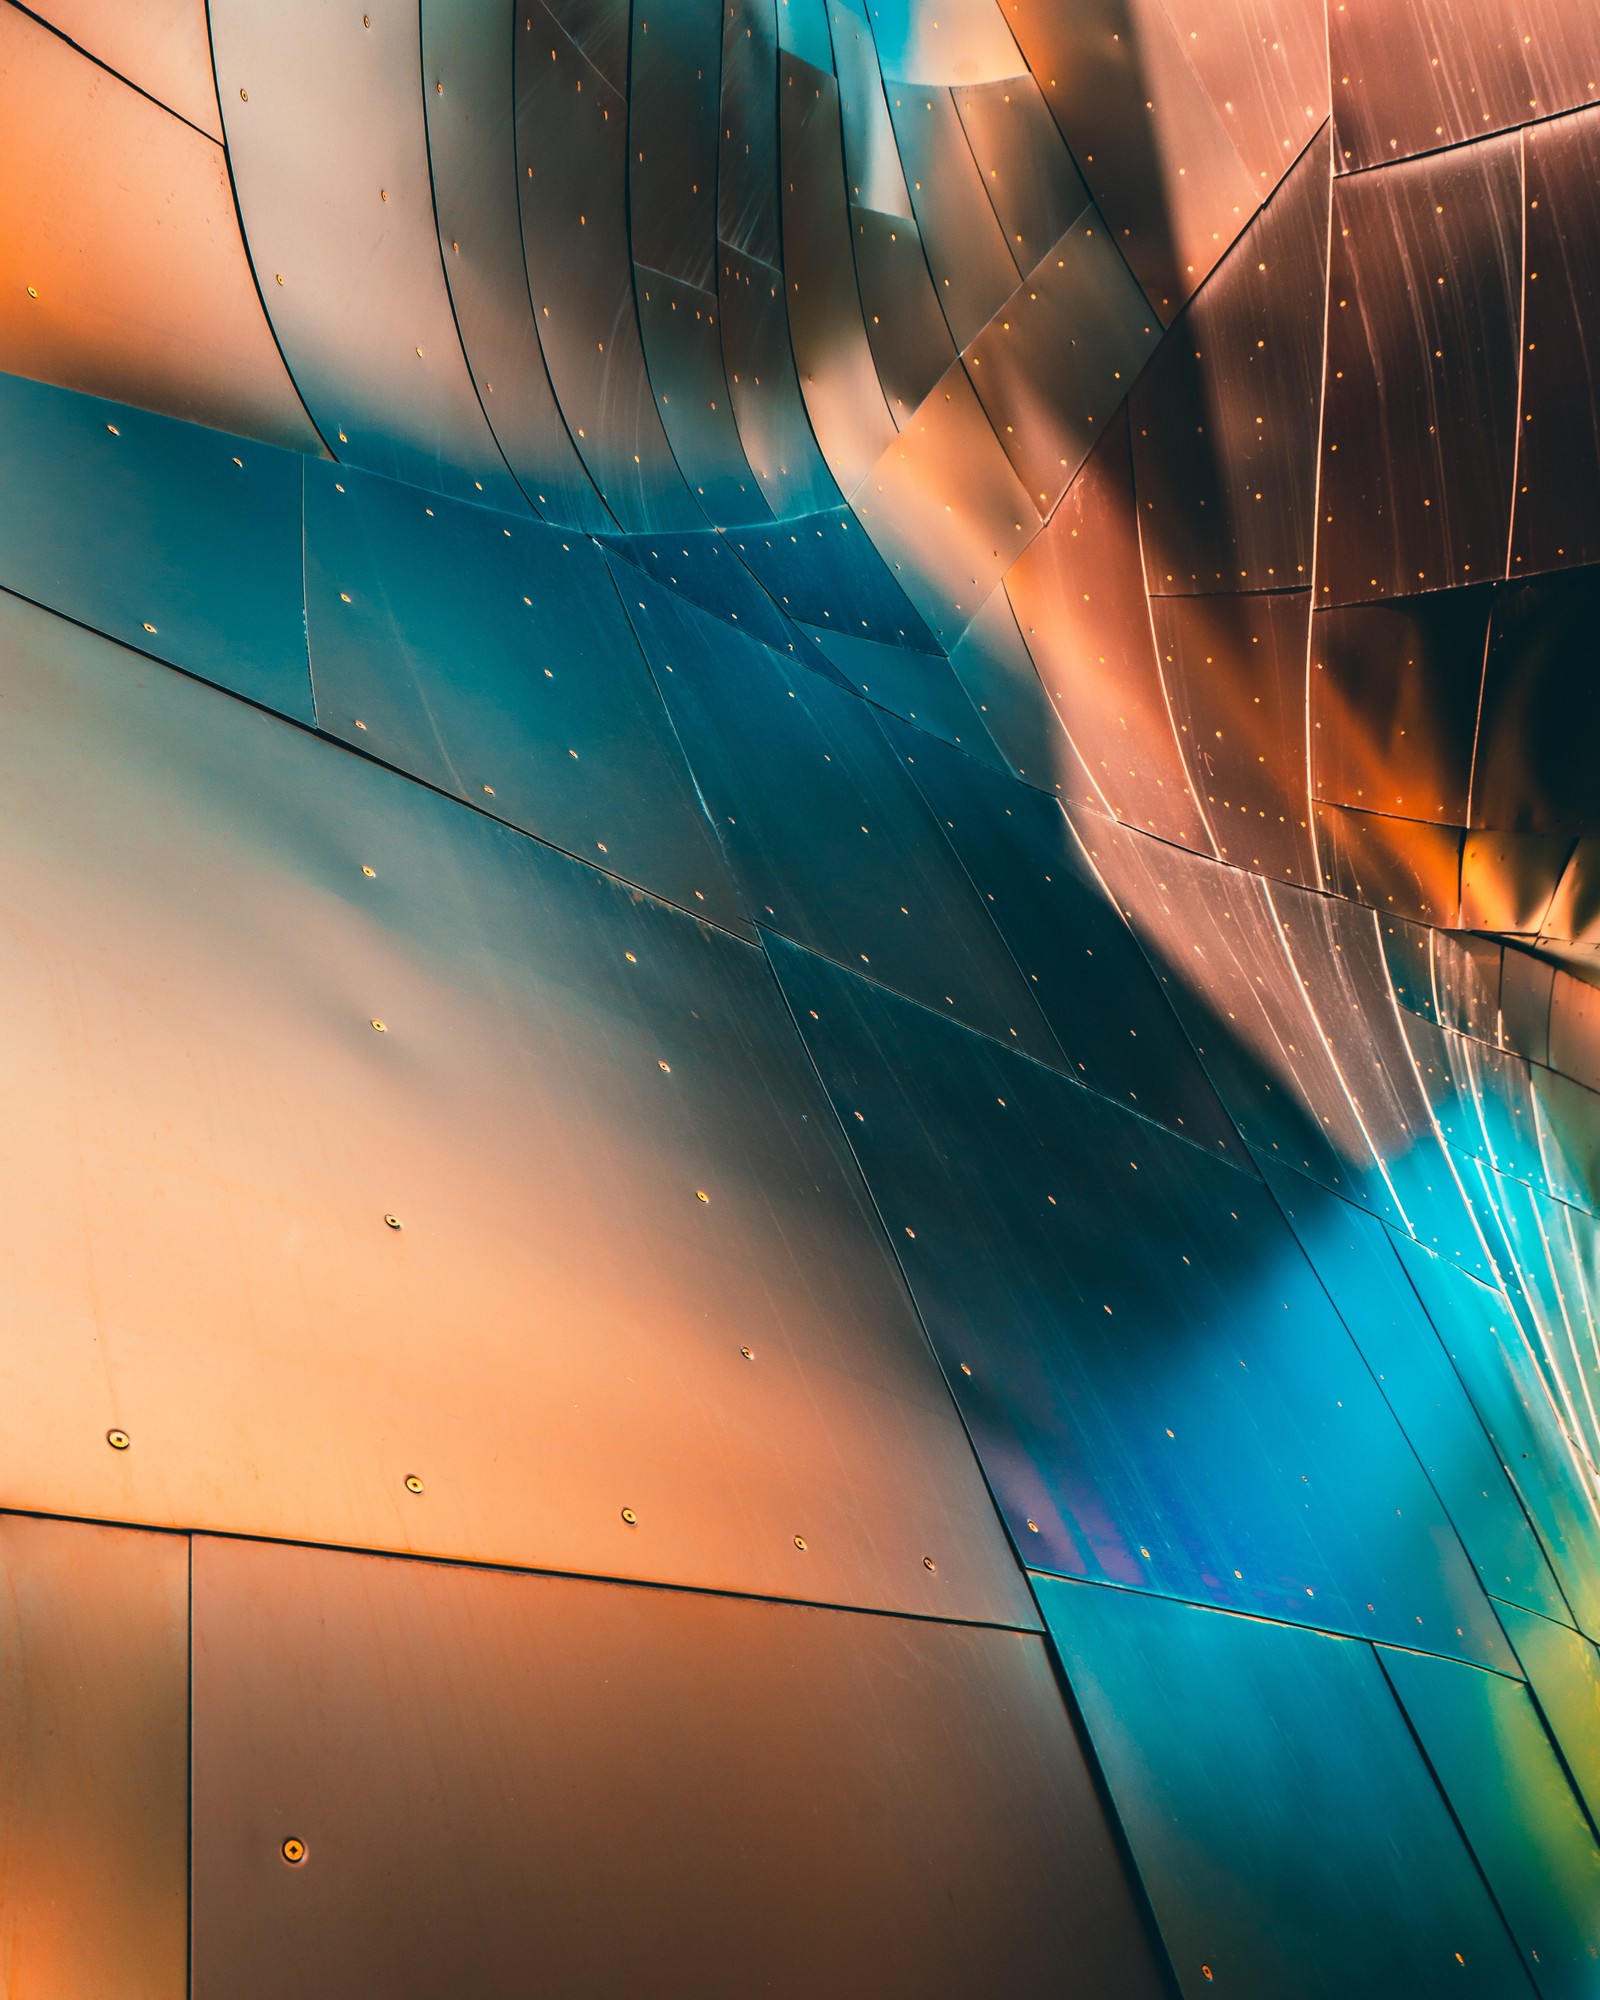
(1151, 142)
(1225, 416)
(1508, 880)
(1289, 1833)
(328, 144)
(674, 85)
(1526, 986)
(1058, 357)
(872, 161)
(773, 425)
(966, 42)
(1354, 1258)
(1264, 64)
(1435, 72)
(823, 570)
(1401, 867)
(918, 686)
(704, 568)
(911, 345)
(178, 540)
(472, 153)
(1565, 1671)
(630, 1791)
(1028, 174)
(492, 659)
(1235, 673)
(599, 29)
(205, 1135)
(1536, 765)
(1557, 513)
(828, 838)
(1394, 698)
(127, 276)
(1489, 1751)
(680, 326)
(1078, 593)
(747, 167)
(973, 266)
(1165, 1399)
(572, 153)
(997, 671)
(161, 46)
(1093, 984)
(1419, 425)
(94, 1742)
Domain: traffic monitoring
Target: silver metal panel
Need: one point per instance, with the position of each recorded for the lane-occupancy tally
(161, 46)
(205, 1134)
(911, 344)
(773, 425)
(747, 169)
(509, 1783)
(328, 145)
(1028, 174)
(680, 326)
(674, 80)
(974, 267)
(94, 1743)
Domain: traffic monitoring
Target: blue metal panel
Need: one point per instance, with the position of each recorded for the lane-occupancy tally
(1286, 1827)
(773, 424)
(703, 568)
(917, 686)
(680, 327)
(1564, 1669)
(823, 570)
(998, 673)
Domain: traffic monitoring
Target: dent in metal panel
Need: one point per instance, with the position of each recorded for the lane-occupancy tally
(974, 269)
(162, 47)
(1399, 867)
(1435, 72)
(1078, 593)
(1419, 422)
(1060, 355)
(1235, 674)
(572, 179)
(1093, 984)
(911, 345)
(1394, 696)
(178, 540)
(1287, 1829)
(828, 838)
(1493, 1760)
(680, 328)
(823, 570)
(472, 154)
(747, 165)
(771, 413)
(813, 1801)
(328, 144)
(94, 1741)
(590, 1115)
(1264, 64)
(944, 507)
(1556, 517)
(1161, 1397)
(1565, 1672)
(1225, 415)
(1151, 143)
(1353, 1256)
(996, 669)
(674, 90)
(492, 659)
(1028, 174)
(832, 354)
(1537, 766)
(918, 686)
(127, 275)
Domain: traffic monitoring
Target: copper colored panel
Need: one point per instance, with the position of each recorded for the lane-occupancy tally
(472, 152)
(1419, 424)
(125, 273)
(1079, 598)
(1394, 697)
(1401, 867)
(94, 1744)
(997, 671)
(1028, 174)
(1574, 915)
(911, 345)
(163, 47)
(1235, 670)
(588, 1114)
(1538, 763)
(508, 1784)
(1557, 514)
(974, 267)
(1434, 72)
(1225, 416)
(1264, 64)
(1152, 144)
(945, 509)
(1058, 357)
(1508, 880)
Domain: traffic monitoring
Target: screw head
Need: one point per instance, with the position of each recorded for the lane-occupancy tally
(413, 1483)
(630, 1517)
(118, 1440)
(294, 1851)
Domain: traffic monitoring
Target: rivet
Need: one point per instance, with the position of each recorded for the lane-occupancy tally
(381, 1026)
(749, 1353)
(368, 871)
(1206, 1972)
(118, 1440)
(490, 790)
(244, 98)
(393, 1221)
(359, 723)
(344, 597)
(965, 1369)
(33, 291)
(148, 626)
(413, 1483)
(1033, 1527)
(667, 1067)
(630, 1517)
(929, 1563)
(799, 1541)
(701, 1195)
(278, 277)
(294, 1851)
(628, 955)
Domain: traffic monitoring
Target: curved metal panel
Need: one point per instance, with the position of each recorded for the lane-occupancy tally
(674, 93)
(1564, 1669)
(127, 276)
(911, 344)
(680, 327)
(974, 268)
(747, 167)
(773, 424)
(823, 571)
(609, 1162)
(703, 568)
(162, 47)
(996, 669)
(631, 1791)
(917, 686)
(1264, 64)
(1528, 774)
(1028, 174)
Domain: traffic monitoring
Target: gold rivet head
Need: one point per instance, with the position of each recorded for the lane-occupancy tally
(118, 1440)
(630, 1517)
(928, 1563)
(799, 1541)
(368, 871)
(1033, 1527)
(33, 291)
(244, 98)
(701, 1195)
(749, 1353)
(294, 1852)
(381, 1026)
(393, 1221)
(148, 626)
(413, 1483)
(965, 1369)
